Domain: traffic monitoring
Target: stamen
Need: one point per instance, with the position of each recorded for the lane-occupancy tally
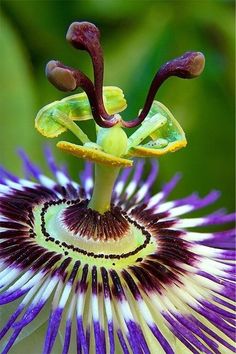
(188, 66)
(86, 36)
(65, 78)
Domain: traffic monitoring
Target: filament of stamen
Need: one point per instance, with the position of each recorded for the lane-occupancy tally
(64, 120)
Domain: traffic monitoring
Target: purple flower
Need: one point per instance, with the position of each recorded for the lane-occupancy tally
(109, 266)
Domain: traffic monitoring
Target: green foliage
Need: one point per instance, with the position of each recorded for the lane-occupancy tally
(137, 37)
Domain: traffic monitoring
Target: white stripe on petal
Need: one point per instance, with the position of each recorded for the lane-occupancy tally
(206, 251)
(108, 309)
(119, 187)
(57, 294)
(95, 310)
(4, 189)
(141, 193)
(62, 179)
(126, 312)
(209, 284)
(47, 182)
(65, 295)
(155, 200)
(8, 275)
(196, 236)
(130, 189)
(29, 184)
(213, 267)
(191, 222)
(4, 218)
(164, 207)
(145, 312)
(31, 293)
(71, 310)
(88, 184)
(21, 281)
(36, 278)
(14, 185)
(50, 287)
(183, 209)
(80, 304)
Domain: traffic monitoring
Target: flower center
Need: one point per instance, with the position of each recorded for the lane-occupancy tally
(110, 239)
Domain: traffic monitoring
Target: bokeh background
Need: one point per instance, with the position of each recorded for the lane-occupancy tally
(137, 37)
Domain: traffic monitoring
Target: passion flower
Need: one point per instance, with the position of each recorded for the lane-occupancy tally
(110, 267)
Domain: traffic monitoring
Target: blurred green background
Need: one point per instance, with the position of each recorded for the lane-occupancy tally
(137, 37)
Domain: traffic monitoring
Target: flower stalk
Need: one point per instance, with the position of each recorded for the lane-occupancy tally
(104, 181)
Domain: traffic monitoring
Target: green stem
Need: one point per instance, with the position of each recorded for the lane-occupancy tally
(105, 178)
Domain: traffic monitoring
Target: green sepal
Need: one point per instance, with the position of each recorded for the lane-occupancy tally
(168, 137)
